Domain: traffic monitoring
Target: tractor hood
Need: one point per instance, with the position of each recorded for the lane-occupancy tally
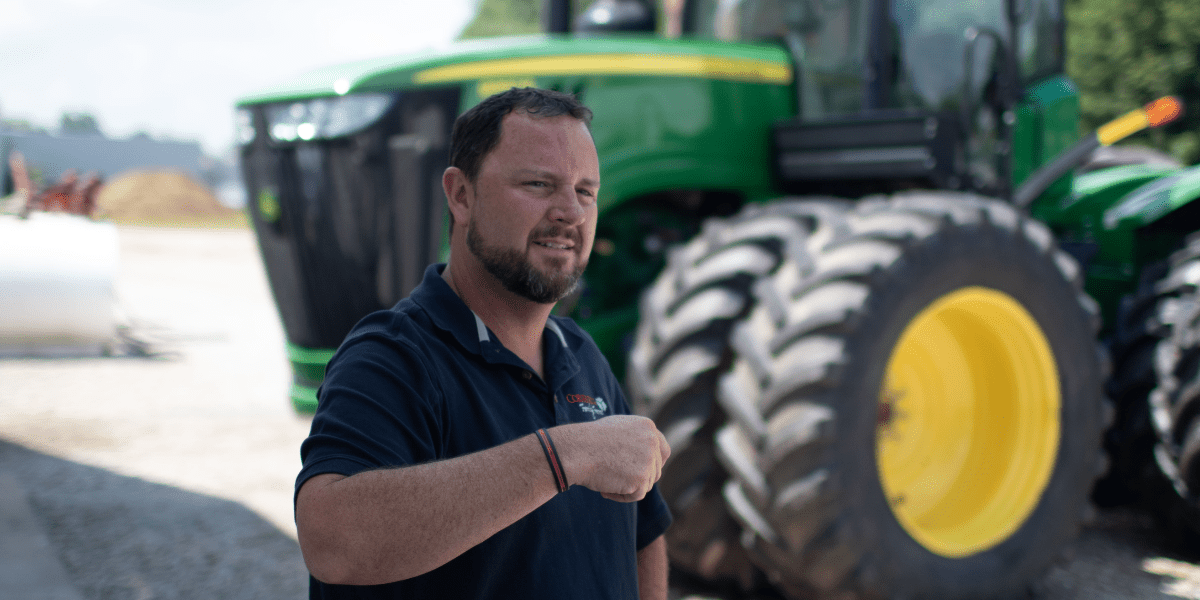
(519, 59)
(1152, 201)
(1096, 193)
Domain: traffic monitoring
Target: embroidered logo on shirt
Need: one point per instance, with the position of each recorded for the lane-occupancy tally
(596, 407)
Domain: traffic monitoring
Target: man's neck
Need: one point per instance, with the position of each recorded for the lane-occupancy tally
(518, 322)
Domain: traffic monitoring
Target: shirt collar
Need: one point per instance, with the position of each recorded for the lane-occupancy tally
(450, 313)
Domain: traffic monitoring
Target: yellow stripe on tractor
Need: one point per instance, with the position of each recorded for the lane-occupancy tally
(709, 67)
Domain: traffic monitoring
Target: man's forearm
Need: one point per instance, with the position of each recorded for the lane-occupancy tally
(652, 570)
(391, 524)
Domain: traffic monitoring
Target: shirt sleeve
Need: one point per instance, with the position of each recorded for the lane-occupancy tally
(377, 408)
(653, 518)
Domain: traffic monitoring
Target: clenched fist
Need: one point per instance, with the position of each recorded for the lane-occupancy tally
(619, 456)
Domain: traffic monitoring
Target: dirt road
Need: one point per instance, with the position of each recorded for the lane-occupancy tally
(171, 476)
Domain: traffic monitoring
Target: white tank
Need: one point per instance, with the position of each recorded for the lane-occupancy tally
(56, 285)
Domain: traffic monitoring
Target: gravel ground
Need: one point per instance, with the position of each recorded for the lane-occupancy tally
(171, 476)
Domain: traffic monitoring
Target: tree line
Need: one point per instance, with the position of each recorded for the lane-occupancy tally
(1124, 53)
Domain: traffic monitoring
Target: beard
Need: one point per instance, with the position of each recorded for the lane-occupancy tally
(514, 271)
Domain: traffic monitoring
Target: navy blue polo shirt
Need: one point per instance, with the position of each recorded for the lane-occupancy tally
(427, 380)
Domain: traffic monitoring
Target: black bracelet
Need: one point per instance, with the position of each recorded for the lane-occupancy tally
(560, 476)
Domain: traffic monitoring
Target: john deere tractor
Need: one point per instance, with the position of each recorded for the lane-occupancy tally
(896, 317)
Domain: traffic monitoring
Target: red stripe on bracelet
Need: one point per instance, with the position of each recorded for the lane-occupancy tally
(554, 452)
(552, 458)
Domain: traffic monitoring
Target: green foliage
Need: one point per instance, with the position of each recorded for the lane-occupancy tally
(21, 126)
(1125, 53)
(79, 124)
(504, 17)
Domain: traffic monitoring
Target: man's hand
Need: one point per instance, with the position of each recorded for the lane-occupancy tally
(619, 456)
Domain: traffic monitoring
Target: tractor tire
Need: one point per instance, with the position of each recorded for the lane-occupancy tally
(1174, 404)
(1143, 322)
(916, 410)
(1133, 478)
(682, 346)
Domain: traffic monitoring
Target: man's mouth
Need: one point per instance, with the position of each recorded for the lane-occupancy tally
(555, 245)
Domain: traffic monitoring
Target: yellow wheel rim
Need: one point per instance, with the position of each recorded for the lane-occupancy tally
(968, 422)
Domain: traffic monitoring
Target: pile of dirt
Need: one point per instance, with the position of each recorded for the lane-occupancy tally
(161, 198)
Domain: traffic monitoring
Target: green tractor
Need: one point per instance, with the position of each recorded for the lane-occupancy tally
(894, 318)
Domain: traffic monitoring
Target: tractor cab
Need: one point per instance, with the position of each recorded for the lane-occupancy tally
(900, 93)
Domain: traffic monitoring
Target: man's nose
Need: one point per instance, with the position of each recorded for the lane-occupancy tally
(568, 208)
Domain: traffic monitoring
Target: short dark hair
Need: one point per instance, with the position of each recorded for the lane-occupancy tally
(477, 131)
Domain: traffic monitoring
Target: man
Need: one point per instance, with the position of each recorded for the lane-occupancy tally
(448, 426)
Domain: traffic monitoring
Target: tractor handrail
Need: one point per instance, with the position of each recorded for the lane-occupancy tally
(1005, 83)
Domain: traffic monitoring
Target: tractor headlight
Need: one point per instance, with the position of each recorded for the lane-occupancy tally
(323, 118)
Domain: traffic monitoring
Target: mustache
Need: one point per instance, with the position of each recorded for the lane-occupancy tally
(554, 231)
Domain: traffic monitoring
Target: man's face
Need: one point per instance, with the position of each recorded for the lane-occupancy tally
(534, 216)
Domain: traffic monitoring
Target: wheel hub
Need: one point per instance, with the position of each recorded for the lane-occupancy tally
(968, 422)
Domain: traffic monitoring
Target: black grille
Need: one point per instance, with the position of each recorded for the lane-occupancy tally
(359, 217)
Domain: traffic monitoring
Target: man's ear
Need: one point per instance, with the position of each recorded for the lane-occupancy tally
(458, 196)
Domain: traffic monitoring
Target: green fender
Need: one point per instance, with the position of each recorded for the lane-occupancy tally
(1105, 222)
(1154, 201)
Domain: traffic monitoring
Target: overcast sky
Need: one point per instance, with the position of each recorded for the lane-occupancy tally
(175, 67)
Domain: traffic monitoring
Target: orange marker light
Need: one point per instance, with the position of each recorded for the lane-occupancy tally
(1164, 110)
